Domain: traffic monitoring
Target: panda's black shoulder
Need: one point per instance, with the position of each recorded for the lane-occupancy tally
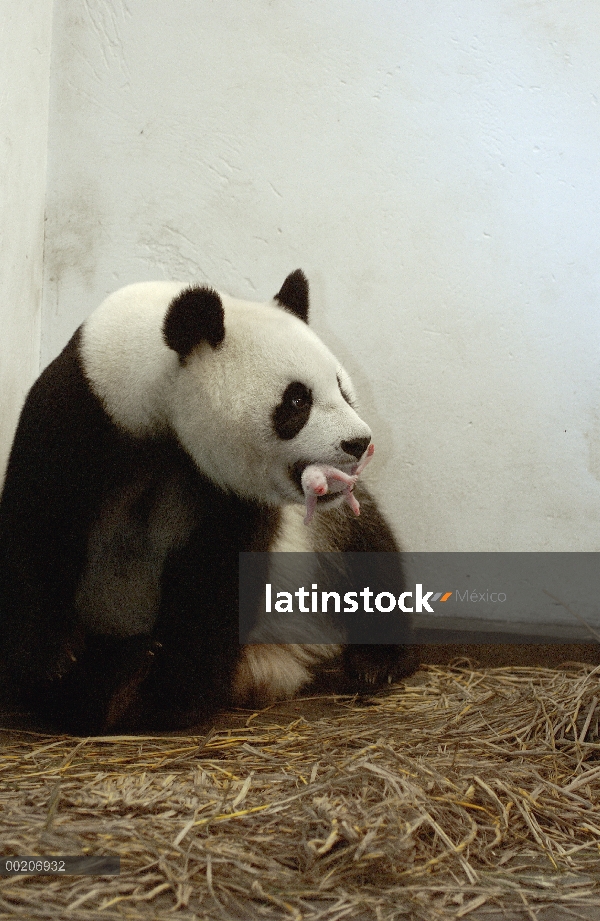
(61, 400)
(59, 431)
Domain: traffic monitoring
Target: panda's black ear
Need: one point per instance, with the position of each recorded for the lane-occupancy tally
(194, 316)
(293, 295)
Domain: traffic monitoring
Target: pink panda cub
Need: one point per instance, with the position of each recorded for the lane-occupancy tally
(320, 479)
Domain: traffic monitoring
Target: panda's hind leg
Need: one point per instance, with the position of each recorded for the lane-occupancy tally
(97, 692)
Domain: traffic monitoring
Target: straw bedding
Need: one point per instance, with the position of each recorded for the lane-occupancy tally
(460, 793)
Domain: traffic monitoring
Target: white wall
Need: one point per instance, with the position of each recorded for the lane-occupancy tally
(434, 169)
(25, 33)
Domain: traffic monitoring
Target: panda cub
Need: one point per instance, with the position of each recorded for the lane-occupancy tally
(170, 434)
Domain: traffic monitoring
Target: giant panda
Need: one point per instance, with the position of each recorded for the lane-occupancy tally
(169, 435)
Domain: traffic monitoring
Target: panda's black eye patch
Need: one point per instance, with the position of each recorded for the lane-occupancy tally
(291, 415)
(344, 393)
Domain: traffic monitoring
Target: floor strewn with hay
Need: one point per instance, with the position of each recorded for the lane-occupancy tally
(463, 793)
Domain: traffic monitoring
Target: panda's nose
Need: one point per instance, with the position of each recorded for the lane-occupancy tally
(356, 447)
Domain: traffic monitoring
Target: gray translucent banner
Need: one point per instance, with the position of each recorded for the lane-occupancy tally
(419, 597)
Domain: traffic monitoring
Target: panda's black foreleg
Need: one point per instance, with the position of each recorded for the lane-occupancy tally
(379, 648)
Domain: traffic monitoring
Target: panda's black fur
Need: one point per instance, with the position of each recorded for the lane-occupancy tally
(119, 547)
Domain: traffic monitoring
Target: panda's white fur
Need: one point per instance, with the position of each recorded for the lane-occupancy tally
(125, 356)
(148, 454)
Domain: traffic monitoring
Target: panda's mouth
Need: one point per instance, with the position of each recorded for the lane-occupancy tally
(296, 471)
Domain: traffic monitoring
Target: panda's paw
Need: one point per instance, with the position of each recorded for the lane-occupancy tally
(370, 667)
(61, 665)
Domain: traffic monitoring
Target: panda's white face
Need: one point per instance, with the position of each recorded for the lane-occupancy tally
(266, 402)
(250, 391)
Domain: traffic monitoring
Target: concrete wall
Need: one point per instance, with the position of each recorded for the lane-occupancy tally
(434, 169)
(25, 30)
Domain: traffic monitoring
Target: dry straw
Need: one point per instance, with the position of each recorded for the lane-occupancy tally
(458, 794)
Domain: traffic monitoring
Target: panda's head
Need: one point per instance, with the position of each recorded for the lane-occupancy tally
(257, 396)
(250, 392)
